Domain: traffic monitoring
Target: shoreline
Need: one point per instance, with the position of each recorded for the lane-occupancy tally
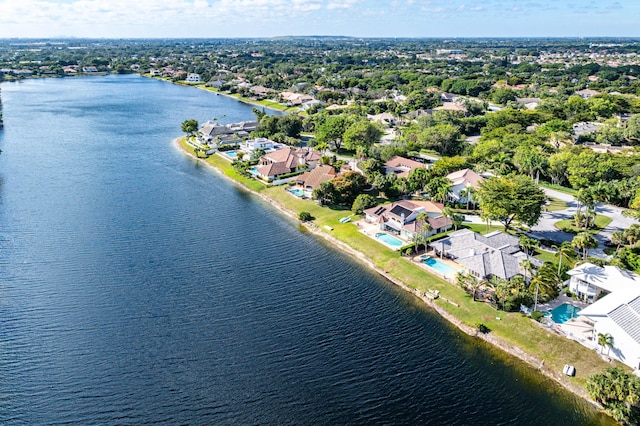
(495, 341)
(242, 100)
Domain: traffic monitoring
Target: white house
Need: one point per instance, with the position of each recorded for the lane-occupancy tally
(400, 218)
(460, 181)
(193, 78)
(257, 143)
(590, 281)
(616, 310)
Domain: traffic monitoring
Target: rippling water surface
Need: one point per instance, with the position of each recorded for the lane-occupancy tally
(138, 287)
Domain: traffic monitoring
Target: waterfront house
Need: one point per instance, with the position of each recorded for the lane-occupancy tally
(261, 92)
(615, 310)
(402, 166)
(273, 165)
(496, 254)
(257, 143)
(460, 181)
(217, 84)
(590, 282)
(193, 78)
(618, 314)
(229, 133)
(400, 218)
(312, 179)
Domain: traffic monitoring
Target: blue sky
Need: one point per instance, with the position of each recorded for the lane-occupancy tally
(360, 18)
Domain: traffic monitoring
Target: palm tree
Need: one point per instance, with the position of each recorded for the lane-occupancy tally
(601, 192)
(422, 226)
(545, 282)
(527, 266)
(439, 188)
(632, 234)
(528, 244)
(618, 238)
(456, 219)
(501, 288)
(584, 241)
(564, 251)
(323, 147)
(487, 219)
(467, 194)
(605, 340)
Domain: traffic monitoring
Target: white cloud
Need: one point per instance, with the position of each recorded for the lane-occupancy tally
(342, 4)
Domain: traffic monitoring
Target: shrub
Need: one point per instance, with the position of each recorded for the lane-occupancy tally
(409, 249)
(305, 216)
(483, 328)
(537, 315)
(363, 202)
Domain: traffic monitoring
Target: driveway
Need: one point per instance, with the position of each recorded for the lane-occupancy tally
(546, 229)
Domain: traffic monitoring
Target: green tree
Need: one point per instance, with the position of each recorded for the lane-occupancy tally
(583, 242)
(509, 198)
(528, 244)
(363, 202)
(189, 126)
(564, 251)
(258, 113)
(545, 283)
(332, 130)
(605, 341)
(361, 134)
(618, 391)
(444, 138)
(502, 95)
(439, 188)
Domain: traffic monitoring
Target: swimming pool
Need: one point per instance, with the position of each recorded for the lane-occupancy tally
(231, 153)
(297, 192)
(441, 267)
(389, 239)
(564, 313)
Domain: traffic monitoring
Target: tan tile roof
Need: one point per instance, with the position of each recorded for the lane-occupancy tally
(315, 177)
(429, 206)
(273, 169)
(466, 177)
(398, 161)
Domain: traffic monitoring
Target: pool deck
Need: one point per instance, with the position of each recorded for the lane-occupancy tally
(371, 229)
(560, 300)
(449, 277)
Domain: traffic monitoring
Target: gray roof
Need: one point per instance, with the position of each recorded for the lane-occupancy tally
(495, 254)
(627, 317)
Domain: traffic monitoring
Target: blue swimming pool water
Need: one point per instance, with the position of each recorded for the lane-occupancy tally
(389, 239)
(441, 267)
(564, 313)
(231, 153)
(297, 192)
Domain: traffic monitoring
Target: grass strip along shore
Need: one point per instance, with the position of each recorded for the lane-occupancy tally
(512, 332)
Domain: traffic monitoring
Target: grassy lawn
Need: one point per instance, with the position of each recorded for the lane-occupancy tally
(481, 228)
(559, 188)
(545, 256)
(515, 328)
(555, 204)
(567, 225)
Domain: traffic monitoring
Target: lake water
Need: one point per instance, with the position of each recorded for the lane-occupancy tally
(139, 287)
